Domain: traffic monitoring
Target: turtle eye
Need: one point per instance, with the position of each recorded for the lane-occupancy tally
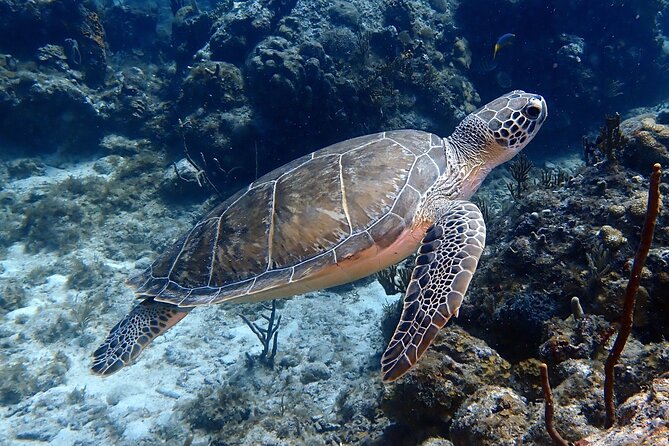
(534, 108)
(532, 111)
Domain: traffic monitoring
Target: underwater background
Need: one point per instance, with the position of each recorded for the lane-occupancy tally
(124, 122)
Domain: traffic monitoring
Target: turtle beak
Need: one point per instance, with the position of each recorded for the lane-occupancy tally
(544, 109)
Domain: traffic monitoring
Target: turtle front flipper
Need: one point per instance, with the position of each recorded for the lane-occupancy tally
(445, 264)
(136, 330)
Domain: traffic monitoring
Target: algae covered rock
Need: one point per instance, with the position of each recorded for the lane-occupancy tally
(277, 67)
(313, 372)
(344, 13)
(129, 27)
(436, 441)
(218, 123)
(212, 85)
(20, 378)
(456, 365)
(190, 31)
(521, 317)
(91, 46)
(221, 144)
(647, 142)
(34, 24)
(492, 416)
(612, 237)
(236, 33)
(642, 420)
(41, 109)
(571, 338)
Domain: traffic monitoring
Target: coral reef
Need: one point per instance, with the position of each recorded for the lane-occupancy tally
(456, 366)
(121, 122)
(492, 415)
(647, 142)
(635, 414)
(546, 228)
(116, 69)
(29, 100)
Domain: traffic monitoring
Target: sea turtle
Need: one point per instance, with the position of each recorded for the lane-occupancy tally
(337, 215)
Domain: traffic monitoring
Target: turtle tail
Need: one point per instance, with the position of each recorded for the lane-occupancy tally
(148, 320)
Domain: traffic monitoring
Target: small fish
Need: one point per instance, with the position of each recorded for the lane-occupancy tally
(504, 40)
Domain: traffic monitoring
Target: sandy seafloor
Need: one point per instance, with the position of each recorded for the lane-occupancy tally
(332, 337)
(208, 347)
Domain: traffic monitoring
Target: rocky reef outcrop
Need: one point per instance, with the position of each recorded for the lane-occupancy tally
(561, 232)
(332, 71)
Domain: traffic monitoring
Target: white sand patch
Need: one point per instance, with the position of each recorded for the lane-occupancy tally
(46, 350)
(208, 346)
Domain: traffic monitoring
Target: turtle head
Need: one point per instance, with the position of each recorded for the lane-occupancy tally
(514, 119)
(511, 121)
(496, 132)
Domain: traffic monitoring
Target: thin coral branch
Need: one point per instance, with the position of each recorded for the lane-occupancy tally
(395, 278)
(630, 293)
(484, 207)
(267, 336)
(201, 175)
(549, 411)
(520, 171)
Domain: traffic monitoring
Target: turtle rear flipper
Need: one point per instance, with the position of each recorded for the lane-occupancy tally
(445, 264)
(136, 330)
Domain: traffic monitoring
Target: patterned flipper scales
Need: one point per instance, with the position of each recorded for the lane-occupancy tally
(445, 264)
(136, 330)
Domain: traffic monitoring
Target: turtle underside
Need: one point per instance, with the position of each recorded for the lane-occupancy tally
(295, 222)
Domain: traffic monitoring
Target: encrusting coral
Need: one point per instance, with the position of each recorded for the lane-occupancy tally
(625, 329)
